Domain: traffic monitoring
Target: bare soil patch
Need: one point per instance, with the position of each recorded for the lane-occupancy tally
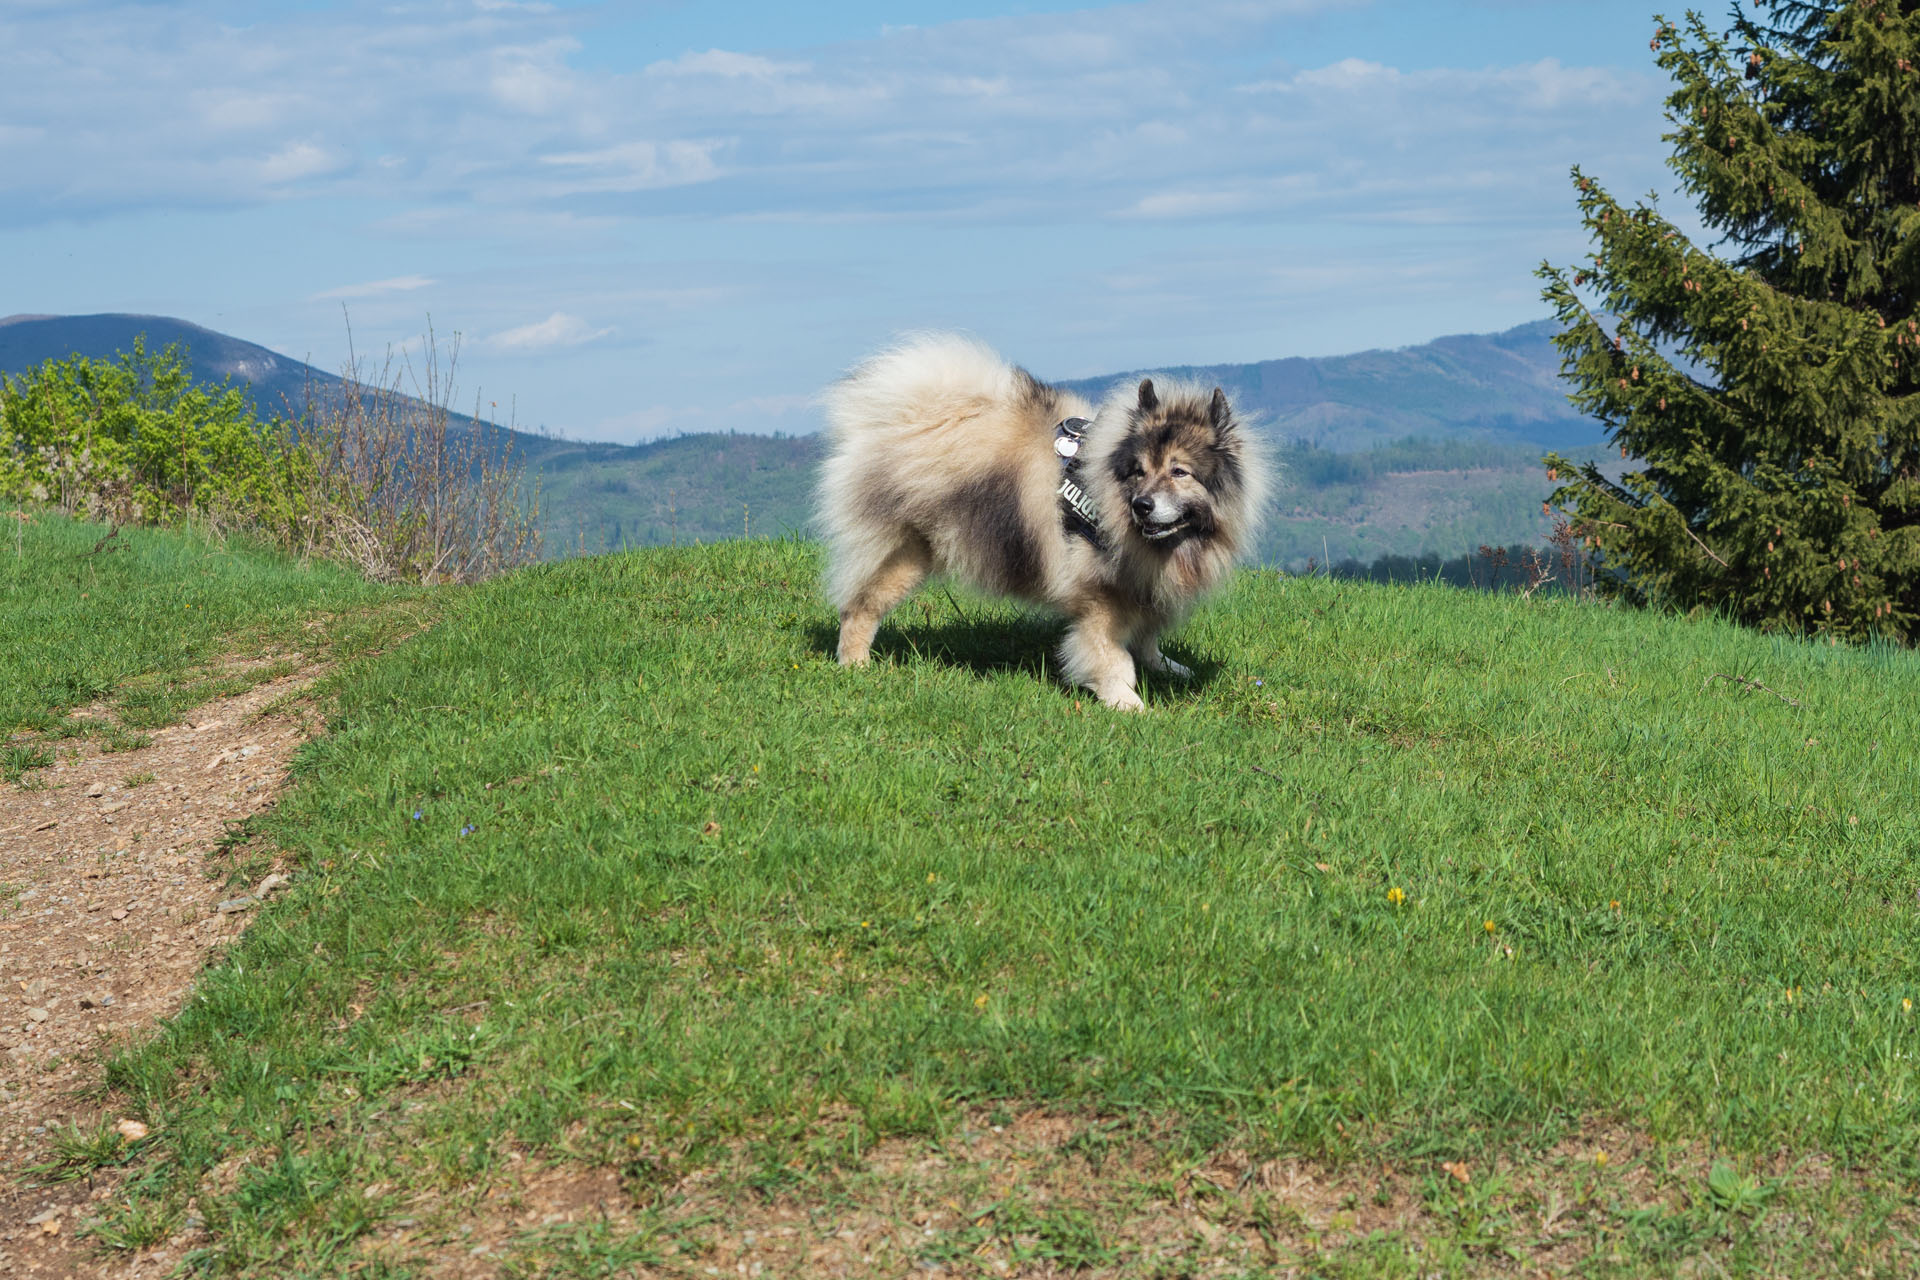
(1046, 1194)
(112, 898)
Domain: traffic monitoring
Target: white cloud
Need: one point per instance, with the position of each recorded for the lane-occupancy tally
(1347, 75)
(557, 330)
(376, 288)
(727, 64)
(1158, 133)
(299, 160)
(534, 78)
(1189, 204)
(239, 111)
(1553, 86)
(486, 106)
(1546, 84)
(637, 166)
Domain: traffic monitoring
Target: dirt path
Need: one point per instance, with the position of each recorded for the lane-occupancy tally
(109, 907)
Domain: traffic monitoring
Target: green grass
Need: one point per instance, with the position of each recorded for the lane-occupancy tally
(76, 1152)
(137, 619)
(613, 867)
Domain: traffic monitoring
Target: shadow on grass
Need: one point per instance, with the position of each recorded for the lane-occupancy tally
(996, 646)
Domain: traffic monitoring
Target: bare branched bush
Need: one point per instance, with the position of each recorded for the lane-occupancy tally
(409, 490)
(1576, 565)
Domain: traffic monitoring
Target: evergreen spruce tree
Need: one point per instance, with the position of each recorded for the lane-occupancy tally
(1767, 393)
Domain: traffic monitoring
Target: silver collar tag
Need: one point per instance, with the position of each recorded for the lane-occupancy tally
(1067, 435)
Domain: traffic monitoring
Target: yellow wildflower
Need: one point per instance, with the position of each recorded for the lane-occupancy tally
(1396, 895)
(1487, 925)
(980, 1001)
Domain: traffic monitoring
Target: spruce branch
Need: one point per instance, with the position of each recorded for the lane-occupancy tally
(1686, 526)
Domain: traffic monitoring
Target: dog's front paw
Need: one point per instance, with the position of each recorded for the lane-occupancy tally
(1122, 699)
(1178, 670)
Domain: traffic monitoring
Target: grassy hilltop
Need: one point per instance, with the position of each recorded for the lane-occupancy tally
(1427, 933)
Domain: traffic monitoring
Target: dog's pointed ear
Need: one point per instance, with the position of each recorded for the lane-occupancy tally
(1219, 413)
(1148, 400)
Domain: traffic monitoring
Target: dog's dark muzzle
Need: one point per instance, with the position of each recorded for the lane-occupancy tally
(1143, 508)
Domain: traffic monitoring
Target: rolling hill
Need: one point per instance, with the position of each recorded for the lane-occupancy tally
(279, 383)
(1486, 406)
(1501, 387)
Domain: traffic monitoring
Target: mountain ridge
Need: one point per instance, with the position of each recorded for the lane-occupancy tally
(278, 385)
(1500, 387)
(26, 341)
(1491, 402)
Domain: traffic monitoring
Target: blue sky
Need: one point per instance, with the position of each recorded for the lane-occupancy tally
(651, 217)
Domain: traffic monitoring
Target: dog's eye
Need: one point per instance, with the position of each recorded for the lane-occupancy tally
(1181, 473)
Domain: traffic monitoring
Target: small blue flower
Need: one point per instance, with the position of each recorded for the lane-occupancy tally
(416, 815)
(468, 830)
(1259, 684)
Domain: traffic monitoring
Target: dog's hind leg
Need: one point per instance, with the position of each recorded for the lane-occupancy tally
(1094, 655)
(871, 590)
(1147, 651)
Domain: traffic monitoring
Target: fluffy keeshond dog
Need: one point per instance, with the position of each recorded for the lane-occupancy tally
(945, 458)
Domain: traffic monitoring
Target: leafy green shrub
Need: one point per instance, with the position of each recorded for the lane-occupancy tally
(135, 441)
(369, 475)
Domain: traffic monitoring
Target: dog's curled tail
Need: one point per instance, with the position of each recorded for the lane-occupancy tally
(921, 376)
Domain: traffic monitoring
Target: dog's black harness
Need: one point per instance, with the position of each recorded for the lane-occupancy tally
(1077, 513)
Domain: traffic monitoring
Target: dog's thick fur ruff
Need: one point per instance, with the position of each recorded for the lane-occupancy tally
(942, 460)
